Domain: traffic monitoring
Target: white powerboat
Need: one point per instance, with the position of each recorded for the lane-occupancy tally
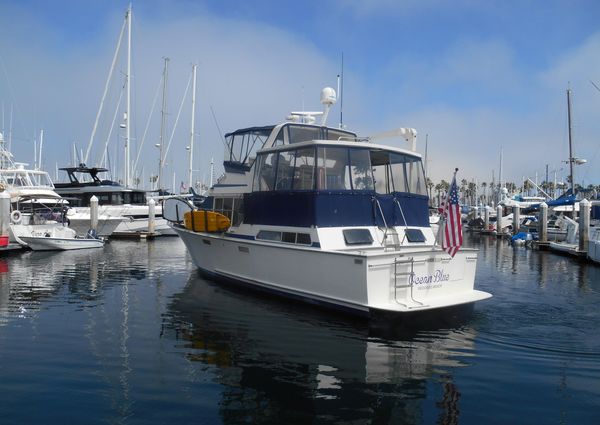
(127, 208)
(35, 205)
(320, 215)
(61, 239)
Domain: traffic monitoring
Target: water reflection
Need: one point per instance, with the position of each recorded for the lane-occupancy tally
(294, 364)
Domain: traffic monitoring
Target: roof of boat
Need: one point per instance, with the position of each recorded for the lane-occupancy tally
(265, 128)
(84, 169)
(346, 143)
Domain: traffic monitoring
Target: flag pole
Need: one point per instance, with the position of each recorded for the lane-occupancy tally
(442, 225)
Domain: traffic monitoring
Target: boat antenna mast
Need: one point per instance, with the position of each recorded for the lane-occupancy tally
(192, 130)
(106, 87)
(128, 112)
(328, 99)
(341, 93)
(571, 159)
(162, 125)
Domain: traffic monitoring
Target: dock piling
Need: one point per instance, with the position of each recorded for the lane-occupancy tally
(499, 220)
(94, 213)
(584, 225)
(4, 212)
(486, 218)
(151, 216)
(543, 223)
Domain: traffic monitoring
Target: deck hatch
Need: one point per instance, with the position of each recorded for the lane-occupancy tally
(357, 237)
(414, 235)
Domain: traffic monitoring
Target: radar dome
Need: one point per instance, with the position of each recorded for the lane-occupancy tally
(328, 96)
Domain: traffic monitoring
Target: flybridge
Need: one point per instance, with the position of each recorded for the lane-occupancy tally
(244, 144)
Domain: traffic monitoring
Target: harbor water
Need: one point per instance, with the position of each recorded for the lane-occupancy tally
(131, 334)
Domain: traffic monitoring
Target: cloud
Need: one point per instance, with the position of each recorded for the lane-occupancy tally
(472, 90)
(249, 73)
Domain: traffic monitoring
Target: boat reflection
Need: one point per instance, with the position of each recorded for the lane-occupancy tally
(295, 363)
(34, 278)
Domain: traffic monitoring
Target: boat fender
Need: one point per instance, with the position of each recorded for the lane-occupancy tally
(16, 216)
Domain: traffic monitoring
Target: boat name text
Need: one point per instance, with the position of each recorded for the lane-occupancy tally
(436, 277)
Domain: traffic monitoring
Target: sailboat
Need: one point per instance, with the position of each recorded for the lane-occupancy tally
(120, 201)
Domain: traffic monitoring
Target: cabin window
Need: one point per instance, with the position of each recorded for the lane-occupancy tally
(416, 176)
(357, 237)
(333, 172)
(267, 172)
(360, 167)
(399, 182)
(285, 170)
(243, 144)
(103, 199)
(382, 171)
(300, 133)
(414, 235)
(287, 237)
(116, 199)
(279, 139)
(339, 135)
(231, 207)
(269, 235)
(303, 239)
(257, 171)
(304, 170)
(397, 173)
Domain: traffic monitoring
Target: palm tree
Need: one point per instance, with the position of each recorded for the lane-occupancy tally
(484, 197)
(472, 192)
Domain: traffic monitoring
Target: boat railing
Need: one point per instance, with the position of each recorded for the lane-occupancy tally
(352, 139)
(409, 275)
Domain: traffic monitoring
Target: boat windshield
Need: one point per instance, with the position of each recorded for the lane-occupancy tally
(327, 168)
(297, 133)
(41, 179)
(243, 144)
(26, 178)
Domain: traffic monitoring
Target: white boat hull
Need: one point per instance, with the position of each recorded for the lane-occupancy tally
(40, 243)
(139, 225)
(406, 281)
(106, 226)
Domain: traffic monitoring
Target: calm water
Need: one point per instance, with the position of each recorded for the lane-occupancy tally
(133, 335)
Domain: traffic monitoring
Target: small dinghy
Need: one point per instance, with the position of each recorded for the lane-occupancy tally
(61, 239)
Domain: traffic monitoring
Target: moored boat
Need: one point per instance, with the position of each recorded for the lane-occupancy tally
(125, 209)
(322, 215)
(61, 239)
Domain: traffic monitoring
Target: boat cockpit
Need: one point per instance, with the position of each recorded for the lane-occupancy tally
(245, 143)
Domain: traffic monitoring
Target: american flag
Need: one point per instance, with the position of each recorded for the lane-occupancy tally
(452, 238)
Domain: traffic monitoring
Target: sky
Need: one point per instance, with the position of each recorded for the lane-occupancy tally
(473, 78)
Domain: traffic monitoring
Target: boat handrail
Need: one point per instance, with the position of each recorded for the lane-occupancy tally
(376, 201)
(397, 202)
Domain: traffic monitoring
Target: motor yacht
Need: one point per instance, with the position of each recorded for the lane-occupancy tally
(322, 215)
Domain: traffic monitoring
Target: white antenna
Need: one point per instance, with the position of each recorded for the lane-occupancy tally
(341, 92)
(328, 98)
(10, 125)
(41, 146)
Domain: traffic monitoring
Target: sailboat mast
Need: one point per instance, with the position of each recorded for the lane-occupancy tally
(128, 116)
(191, 181)
(571, 159)
(162, 125)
